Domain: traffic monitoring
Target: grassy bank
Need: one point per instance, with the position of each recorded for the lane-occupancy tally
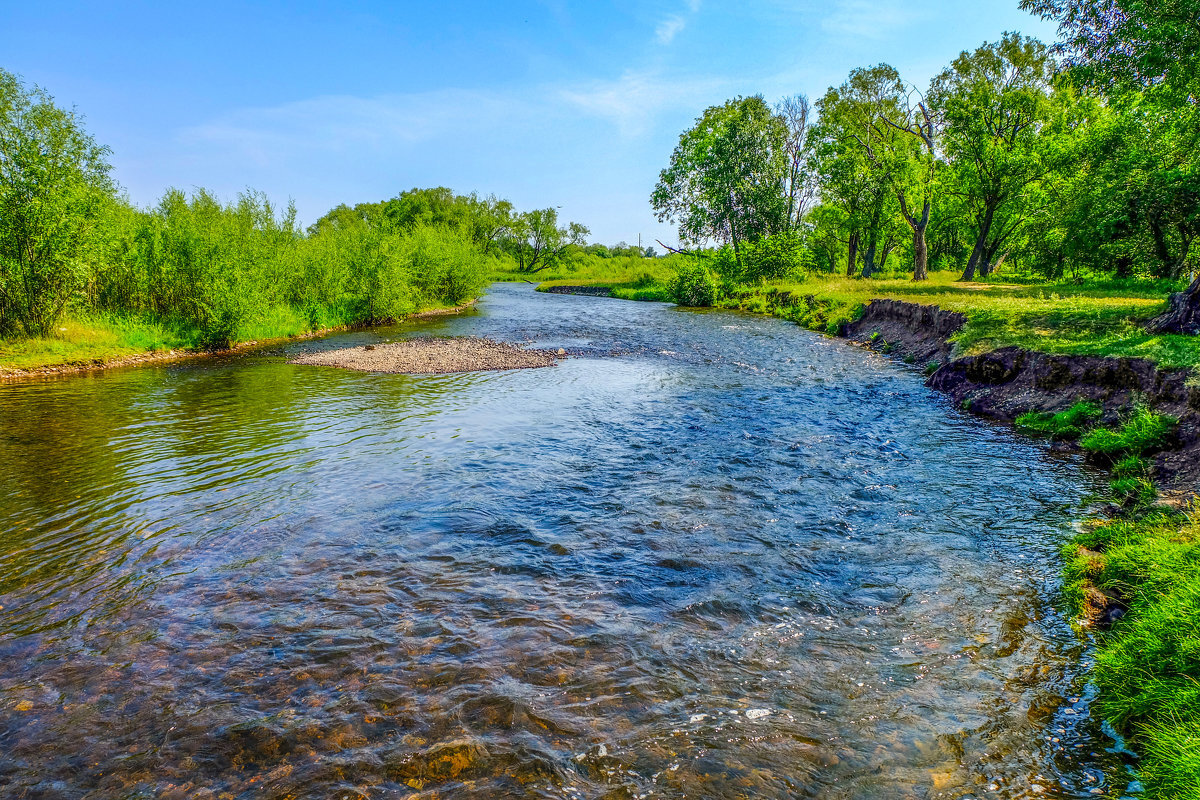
(1096, 318)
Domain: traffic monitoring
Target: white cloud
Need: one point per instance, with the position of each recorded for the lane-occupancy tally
(667, 29)
(342, 122)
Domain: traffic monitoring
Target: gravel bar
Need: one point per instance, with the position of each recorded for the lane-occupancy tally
(434, 356)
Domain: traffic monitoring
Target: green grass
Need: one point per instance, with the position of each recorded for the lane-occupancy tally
(94, 339)
(1141, 432)
(1097, 318)
(1069, 424)
(1148, 663)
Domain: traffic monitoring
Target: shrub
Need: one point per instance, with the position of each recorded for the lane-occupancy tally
(693, 285)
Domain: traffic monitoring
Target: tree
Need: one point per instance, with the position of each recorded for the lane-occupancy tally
(799, 186)
(538, 243)
(995, 102)
(1129, 44)
(54, 187)
(727, 175)
(856, 157)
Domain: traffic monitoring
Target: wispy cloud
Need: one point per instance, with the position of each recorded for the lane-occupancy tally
(343, 122)
(868, 19)
(667, 29)
(633, 101)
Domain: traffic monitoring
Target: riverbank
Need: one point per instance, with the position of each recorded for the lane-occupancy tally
(107, 343)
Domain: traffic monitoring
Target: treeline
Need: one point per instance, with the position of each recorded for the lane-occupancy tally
(1072, 161)
(70, 244)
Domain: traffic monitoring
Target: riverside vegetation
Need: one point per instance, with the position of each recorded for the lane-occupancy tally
(86, 277)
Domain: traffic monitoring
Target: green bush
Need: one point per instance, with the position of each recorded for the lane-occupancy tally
(693, 285)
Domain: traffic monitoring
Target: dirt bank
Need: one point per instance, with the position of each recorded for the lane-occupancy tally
(1005, 383)
(427, 356)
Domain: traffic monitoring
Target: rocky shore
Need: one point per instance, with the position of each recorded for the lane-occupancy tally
(429, 356)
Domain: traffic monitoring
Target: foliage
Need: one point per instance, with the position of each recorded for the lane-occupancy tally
(727, 175)
(693, 285)
(54, 190)
(1069, 424)
(1142, 432)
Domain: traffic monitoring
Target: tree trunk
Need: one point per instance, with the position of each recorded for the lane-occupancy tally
(1182, 314)
(920, 255)
(869, 259)
(977, 254)
(852, 255)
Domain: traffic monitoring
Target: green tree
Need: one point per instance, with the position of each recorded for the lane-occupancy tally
(54, 189)
(856, 158)
(727, 176)
(538, 243)
(995, 102)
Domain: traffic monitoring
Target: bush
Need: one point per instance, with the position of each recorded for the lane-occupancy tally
(693, 285)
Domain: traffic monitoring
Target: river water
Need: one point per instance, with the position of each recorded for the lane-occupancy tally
(709, 555)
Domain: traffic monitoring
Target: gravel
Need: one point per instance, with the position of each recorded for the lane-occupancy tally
(434, 356)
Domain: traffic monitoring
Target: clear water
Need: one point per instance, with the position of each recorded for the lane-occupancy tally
(709, 555)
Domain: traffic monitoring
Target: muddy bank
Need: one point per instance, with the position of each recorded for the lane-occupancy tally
(427, 356)
(170, 356)
(589, 291)
(1005, 383)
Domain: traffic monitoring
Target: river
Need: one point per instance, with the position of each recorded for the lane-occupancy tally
(708, 555)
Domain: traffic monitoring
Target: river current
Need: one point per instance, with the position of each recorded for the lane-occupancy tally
(709, 555)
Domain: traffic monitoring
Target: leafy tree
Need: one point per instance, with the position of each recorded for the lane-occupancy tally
(857, 157)
(996, 102)
(54, 188)
(538, 243)
(1129, 44)
(727, 175)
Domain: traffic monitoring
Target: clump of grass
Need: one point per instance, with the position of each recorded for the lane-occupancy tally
(1069, 424)
(1142, 432)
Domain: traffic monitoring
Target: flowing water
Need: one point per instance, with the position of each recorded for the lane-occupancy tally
(709, 555)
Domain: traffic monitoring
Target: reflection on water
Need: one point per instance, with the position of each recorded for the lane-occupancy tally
(711, 555)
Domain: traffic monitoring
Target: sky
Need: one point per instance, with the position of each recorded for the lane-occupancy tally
(576, 105)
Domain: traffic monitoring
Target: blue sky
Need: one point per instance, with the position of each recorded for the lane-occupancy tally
(546, 103)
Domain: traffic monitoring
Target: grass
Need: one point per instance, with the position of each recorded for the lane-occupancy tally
(1069, 424)
(94, 339)
(1148, 663)
(1096, 318)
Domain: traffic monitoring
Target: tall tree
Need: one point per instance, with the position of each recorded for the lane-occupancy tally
(54, 186)
(856, 157)
(799, 186)
(727, 176)
(995, 102)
